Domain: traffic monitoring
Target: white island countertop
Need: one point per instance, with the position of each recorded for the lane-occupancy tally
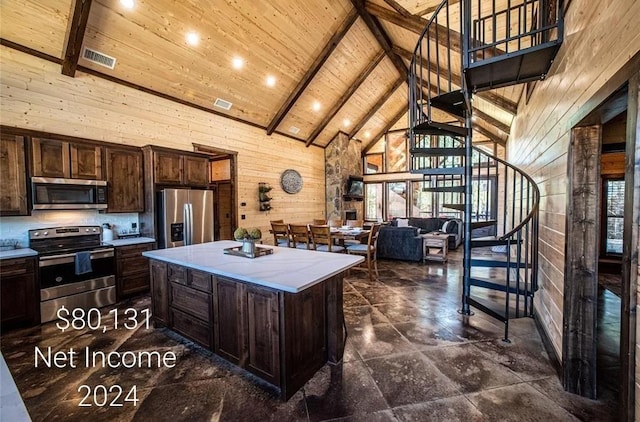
(287, 269)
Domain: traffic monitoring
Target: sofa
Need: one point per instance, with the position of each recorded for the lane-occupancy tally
(400, 239)
(403, 243)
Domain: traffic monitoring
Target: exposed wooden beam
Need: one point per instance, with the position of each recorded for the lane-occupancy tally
(77, 28)
(345, 97)
(381, 36)
(492, 121)
(313, 70)
(389, 125)
(398, 8)
(481, 130)
(429, 10)
(375, 108)
(416, 25)
(497, 100)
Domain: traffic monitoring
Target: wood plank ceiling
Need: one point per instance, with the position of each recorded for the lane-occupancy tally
(333, 65)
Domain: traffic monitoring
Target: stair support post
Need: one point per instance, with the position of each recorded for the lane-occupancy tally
(468, 197)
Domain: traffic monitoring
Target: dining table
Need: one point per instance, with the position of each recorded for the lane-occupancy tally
(349, 233)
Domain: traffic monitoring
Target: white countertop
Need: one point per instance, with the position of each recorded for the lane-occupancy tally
(130, 241)
(17, 253)
(287, 269)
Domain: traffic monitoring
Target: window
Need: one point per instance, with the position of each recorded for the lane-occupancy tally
(421, 202)
(614, 197)
(373, 202)
(397, 151)
(396, 199)
(373, 163)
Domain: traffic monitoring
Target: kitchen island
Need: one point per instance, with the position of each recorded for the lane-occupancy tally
(277, 316)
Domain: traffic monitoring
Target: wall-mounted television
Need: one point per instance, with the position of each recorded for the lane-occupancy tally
(355, 187)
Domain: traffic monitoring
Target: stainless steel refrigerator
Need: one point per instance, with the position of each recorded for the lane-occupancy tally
(185, 217)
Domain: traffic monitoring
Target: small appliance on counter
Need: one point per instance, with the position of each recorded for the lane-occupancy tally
(107, 232)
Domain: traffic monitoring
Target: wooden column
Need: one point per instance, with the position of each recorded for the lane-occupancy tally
(628, 358)
(335, 318)
(581, 262)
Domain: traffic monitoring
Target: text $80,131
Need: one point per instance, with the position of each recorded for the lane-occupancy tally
(92, 318)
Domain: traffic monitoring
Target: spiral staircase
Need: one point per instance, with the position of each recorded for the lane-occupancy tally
(490, 47)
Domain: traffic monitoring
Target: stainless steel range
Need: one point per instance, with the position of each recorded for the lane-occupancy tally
(76, 270)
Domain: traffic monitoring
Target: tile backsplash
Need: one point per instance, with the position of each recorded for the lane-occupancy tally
(18, 227)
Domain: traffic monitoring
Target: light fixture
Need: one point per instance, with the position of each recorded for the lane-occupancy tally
(367, 134)
(192, 38)
(271, 81)
(346, 122)
(237, 62)
(316, 106)
(127, 4)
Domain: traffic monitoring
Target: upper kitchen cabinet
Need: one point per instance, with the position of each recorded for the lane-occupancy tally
(196, 170)
(173, 167)
(56, 158)
(13, 182)
(125, 179)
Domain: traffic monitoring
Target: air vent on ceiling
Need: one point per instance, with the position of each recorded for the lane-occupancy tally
(222, 104)
(99, 58)
(294, 130)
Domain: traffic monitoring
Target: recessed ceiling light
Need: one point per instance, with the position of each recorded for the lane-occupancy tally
(316, 106)
(192, 38)
(346, 122)
(128, 4)
(237, 62)
(271, 80)
(367, 134)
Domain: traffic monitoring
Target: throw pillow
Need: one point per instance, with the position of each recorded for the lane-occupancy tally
(445, 226)
(403, 222)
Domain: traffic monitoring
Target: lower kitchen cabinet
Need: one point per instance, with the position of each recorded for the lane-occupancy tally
(278, 336)
(19, 293)
(132, 269)
(159, 292)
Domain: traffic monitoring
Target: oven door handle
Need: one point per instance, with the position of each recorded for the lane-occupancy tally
(47, 261)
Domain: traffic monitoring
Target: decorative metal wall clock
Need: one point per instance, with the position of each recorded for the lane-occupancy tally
(291, 181)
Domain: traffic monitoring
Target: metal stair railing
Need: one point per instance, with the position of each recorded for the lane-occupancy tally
(518, 226)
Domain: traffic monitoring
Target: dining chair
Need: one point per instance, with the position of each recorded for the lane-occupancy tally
(300, 237)
(319, 222)
(277, 221)
(281, 236)
(322, 241)
(354, 223)
(368, 250)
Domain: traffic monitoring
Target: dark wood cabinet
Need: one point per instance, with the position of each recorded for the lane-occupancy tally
(196, 171)
(62, 159)
(263, 333)
(191, 304)
(168, 168)
(172, 167)
(19, 294)
(125, 180)
(159, 292)
(132, 270)
(86, 161)
(13, 176)
(283, 338)
(228, 320)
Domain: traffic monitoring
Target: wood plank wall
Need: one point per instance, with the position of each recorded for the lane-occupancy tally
(35, 95)
(600, 37)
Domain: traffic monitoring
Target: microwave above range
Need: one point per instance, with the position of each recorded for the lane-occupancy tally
(68, 194)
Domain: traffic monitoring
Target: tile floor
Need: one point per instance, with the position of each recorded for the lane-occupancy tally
(409, 357)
